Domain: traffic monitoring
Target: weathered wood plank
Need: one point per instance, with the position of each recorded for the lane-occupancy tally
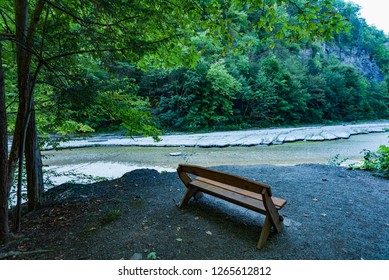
(278, 202)
(190, 191)
(264, 233)
(239, 199)
(225, 178)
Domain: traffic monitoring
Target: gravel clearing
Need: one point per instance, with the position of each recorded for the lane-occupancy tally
(332, 213)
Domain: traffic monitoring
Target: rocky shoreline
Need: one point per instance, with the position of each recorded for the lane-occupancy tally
(244, 138)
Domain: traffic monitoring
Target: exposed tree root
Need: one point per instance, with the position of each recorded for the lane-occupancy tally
(19, 253)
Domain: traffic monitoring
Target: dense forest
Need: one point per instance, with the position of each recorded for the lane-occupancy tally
(276, 82)
(250, 83)
(143, 67)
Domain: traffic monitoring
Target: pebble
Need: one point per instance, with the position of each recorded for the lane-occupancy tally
(137, 256)
(175, 154)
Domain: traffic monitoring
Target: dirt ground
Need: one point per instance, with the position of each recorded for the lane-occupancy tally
(332, 213)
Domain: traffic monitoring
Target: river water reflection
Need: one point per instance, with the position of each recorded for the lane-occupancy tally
(114, 161)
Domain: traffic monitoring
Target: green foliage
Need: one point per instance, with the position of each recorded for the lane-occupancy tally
(133, 112)
(336, 161)
(277, 82)
(205, 100)
(73, 127)
(130, 70)
(378, 161)
(152, 256)
(347, 93)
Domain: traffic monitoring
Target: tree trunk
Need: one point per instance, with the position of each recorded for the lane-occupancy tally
(35, 187)
(23, 70)
(4, 227)
(26, 116)
(21, 22)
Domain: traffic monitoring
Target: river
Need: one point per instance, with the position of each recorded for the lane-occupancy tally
(114, 161)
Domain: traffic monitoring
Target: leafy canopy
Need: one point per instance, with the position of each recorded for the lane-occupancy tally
(74, 39)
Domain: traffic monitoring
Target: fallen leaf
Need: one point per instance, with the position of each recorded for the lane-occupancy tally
(209, 233)
(323, 214)
(315, 199)
(179, 239)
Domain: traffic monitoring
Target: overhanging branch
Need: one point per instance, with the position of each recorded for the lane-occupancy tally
(107, 49)
(4, 15)
(88, 22)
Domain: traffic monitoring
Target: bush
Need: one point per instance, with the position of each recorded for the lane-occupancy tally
(378, 162)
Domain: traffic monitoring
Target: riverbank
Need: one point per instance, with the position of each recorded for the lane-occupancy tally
(113, 161)
(110, 156)
(244, 138)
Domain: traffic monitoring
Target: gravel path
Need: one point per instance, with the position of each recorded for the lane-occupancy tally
(332, 213)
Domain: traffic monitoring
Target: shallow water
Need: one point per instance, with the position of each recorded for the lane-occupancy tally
(114, 161)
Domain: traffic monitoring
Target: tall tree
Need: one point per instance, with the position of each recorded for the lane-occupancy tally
(4, 229)
(50, 37)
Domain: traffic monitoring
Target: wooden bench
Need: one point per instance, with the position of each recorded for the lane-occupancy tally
(250, 194)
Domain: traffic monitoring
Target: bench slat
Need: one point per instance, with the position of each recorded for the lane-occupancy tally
(225, 178)
(239, 199)
(278, 202)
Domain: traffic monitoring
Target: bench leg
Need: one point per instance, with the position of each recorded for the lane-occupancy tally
(264, 233)
(190, 191)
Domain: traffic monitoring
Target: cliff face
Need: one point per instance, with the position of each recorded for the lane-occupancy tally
(359, 59)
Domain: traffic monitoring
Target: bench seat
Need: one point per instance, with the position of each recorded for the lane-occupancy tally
(247, 199)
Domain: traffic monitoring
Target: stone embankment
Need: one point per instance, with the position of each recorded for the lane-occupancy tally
(274, 136)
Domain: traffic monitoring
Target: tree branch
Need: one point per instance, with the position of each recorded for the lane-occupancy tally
(7, 37)
(4, 15)
(15, 100)
(88, 22)
(106, 50)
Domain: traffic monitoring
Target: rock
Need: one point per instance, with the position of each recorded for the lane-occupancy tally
(328, 136)
(235, 138)
(290, 138)
(314, 138)
(137, 256)
(342, 135)
(175, 154)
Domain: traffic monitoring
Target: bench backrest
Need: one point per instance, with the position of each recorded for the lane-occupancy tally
(222, 177)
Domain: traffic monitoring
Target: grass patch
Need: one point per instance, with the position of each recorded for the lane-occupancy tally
(137, 202)
(110, 217)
